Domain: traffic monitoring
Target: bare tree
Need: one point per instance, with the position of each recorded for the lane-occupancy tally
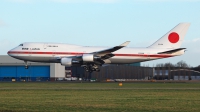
(182, 64)
(160, 65)
(169, 65)
(166, 65)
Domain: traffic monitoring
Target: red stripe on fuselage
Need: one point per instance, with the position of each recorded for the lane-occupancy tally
(76, 53)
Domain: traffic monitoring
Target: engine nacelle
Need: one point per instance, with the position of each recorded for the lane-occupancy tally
(68, 62)
(88, 57)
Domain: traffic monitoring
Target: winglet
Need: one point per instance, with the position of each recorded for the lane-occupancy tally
(125, 44)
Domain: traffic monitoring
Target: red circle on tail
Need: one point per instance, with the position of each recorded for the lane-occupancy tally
(173, 37)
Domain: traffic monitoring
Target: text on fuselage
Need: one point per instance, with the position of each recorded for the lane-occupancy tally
(31, 48)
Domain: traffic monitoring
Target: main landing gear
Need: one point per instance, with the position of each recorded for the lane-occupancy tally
(26, 64)
(92, 67)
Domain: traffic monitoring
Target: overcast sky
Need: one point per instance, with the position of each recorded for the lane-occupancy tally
(100, 23)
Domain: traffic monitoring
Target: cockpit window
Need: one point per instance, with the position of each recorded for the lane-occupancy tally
(21, 45)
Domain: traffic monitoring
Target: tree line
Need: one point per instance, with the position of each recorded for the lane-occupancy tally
(180, 64)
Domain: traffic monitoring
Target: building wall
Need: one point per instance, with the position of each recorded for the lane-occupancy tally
(175, 73)
(115, 72)
(57, 71)
(19, 73)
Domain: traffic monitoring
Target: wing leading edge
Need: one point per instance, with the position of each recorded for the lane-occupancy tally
(110, 50)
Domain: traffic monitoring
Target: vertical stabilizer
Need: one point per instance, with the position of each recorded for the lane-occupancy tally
(174, 38)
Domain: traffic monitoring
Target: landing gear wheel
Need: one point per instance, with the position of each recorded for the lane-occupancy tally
(92, 67)
(26, 67)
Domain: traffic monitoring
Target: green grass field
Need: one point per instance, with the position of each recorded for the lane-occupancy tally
(54, 96)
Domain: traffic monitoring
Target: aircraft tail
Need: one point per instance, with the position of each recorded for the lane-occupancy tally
(173, 39)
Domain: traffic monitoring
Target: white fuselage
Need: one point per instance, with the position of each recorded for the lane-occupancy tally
(50, 52)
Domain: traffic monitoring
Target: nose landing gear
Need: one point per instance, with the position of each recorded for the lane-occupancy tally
(26, 64)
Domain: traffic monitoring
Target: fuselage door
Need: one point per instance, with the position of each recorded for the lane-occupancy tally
(45, 46)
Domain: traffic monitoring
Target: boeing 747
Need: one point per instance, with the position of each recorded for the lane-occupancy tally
(92, 57)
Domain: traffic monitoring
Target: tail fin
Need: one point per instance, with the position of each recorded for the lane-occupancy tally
(174, 38)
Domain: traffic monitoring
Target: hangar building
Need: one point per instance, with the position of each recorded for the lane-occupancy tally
(13, 70)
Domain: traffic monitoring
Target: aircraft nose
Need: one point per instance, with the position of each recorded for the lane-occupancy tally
(9, 52)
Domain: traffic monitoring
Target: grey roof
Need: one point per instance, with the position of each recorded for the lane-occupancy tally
(7, 60)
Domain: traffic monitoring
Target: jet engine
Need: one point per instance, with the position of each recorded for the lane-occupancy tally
(88, 57)
(68, 62)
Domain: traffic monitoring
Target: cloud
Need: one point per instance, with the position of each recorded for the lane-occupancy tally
(196, 40)
(2, 23)
(192, 45)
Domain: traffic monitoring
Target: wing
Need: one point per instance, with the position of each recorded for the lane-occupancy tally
(113, 49)
(107, 53)
(99, 56)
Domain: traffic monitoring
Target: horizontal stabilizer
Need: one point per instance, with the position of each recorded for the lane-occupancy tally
(171, 51)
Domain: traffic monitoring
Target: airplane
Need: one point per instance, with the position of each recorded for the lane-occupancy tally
(92, 57)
